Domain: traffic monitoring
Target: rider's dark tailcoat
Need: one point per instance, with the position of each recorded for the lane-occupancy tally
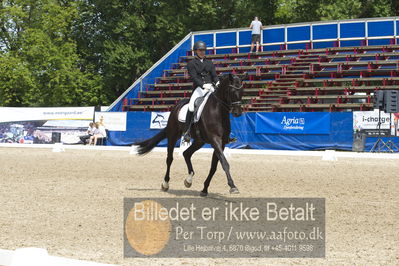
(202, 72)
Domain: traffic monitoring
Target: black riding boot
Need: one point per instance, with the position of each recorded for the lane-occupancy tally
(189, 118)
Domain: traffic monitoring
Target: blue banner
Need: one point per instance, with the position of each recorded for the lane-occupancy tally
(243, 128)
(293, 123)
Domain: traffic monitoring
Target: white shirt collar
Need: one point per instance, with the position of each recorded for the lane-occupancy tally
(202, 60)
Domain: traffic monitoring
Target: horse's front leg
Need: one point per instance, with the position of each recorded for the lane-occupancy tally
(218, 146)
(187, 157)
(212, 171)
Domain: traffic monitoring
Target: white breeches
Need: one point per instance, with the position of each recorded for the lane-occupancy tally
(198, 92)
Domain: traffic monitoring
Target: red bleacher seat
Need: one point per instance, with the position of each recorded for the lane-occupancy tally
(331, 79)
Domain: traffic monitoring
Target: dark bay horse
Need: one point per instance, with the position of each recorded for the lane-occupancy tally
(212, 128)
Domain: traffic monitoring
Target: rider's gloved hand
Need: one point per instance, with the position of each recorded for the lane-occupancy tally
(208, 87)
(217, 84)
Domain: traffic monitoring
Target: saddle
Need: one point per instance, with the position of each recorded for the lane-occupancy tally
(198, 108)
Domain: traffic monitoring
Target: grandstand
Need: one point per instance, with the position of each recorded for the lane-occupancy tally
(324, 66)
(330, 69)
(331, 79)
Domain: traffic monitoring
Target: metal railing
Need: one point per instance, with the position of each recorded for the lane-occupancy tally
(311, 40)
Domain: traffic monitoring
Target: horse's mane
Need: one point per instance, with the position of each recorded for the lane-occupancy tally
(227, 77)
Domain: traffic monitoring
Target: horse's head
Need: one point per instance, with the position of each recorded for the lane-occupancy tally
(232, 88)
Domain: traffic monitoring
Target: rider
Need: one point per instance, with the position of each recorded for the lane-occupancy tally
(203, 74)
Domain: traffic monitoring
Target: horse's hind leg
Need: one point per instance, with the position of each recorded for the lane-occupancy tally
(187, 157)
(171, 146)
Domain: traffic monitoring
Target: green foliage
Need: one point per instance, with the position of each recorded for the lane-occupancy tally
(291, 11)
(339, 9)
(15, 79)
(87, 52)
(39, 62)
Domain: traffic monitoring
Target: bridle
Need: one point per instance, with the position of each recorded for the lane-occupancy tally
(235, 88)
(231, 105)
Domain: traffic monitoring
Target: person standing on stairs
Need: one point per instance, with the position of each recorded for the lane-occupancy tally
(256, 27)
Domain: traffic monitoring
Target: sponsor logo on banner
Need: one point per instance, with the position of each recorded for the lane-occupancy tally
(44, 125)
(367, 122)
(293, 123)
(114, 121)
(159, 120)
(14, 114)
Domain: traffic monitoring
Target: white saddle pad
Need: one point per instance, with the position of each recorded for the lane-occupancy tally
(184, 109)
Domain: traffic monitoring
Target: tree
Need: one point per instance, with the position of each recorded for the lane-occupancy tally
(291, 11)
(39, 57)
(88, 52)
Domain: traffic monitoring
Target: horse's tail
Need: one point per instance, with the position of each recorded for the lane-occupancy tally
(147, 145)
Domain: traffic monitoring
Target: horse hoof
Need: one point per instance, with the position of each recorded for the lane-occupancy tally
(203, 194)
(234, 190)
(187, 184)
(164, 188)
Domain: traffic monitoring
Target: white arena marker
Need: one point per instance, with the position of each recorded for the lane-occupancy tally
(30, 256)
(329, 155)
(227, 152)
(40, 257)
(58, 147)
(133, 150)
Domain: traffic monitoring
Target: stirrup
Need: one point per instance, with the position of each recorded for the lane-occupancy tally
(187, 137)
(232, 140)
